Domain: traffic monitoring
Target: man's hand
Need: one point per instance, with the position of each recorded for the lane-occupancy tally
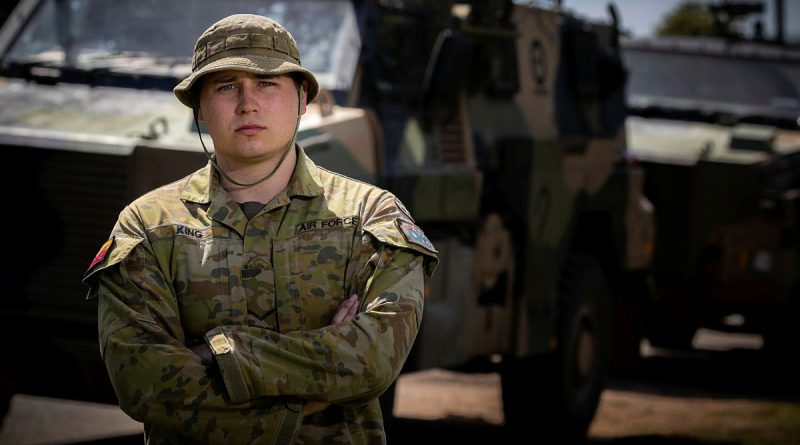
(314, 407)
(347, 310)
(204, 352)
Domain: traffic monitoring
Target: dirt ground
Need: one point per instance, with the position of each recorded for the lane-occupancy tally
(737, 396)
(727, 393)
(707, 419)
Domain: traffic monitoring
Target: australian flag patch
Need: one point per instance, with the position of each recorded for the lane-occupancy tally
(414, 234)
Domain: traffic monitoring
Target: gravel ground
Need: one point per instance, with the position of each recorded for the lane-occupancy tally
(725, 392)
(624, 416)
(712, 420)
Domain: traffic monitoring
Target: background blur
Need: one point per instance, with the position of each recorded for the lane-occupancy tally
(644, 18)
(711, 374)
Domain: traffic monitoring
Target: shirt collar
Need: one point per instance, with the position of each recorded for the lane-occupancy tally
(203, 185)
(305, 180)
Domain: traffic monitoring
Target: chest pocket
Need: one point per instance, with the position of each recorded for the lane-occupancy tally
(318, 262)
(202, 283)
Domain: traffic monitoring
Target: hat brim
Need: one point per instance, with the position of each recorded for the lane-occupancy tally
(248, 63)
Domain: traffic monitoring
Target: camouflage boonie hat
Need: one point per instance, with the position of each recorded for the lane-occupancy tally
(244, 42)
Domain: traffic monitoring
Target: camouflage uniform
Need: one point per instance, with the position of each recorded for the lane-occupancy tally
(184, 265)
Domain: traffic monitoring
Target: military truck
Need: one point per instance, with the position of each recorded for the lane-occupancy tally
(500, 127)
(714, 123)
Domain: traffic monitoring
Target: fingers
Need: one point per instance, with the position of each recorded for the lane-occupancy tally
(351, 314)
(346, 311)
(341, 312)
(314, 407)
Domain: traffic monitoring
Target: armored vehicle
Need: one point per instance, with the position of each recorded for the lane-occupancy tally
(714, 123)
(500, 126)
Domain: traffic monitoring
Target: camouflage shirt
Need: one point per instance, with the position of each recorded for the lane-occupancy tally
(184, 265)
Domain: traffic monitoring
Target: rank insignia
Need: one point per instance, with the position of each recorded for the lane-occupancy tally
(414, 234)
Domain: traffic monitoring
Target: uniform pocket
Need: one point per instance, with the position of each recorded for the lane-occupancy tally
(202, 283)
(318, 265)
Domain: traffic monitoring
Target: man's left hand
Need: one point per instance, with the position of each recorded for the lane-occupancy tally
(347, 310)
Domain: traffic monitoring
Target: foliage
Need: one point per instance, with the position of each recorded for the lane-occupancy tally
(688, 19)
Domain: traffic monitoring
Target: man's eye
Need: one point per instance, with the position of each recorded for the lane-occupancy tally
(226, 87)
(266, 83)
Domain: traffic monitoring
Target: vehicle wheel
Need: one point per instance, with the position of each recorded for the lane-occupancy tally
(558, 394)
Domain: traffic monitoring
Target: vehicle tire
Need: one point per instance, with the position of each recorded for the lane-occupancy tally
(557, 394)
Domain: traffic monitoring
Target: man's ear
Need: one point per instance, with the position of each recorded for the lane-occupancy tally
(197, 90)
(304, 86)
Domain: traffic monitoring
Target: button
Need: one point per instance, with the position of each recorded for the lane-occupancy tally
(220, 344)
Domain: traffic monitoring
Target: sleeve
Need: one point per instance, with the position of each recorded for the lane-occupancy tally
(158, 380)
(347, 363)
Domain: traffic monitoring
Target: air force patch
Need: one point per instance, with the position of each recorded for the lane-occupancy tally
(414, 234)
(331, 223)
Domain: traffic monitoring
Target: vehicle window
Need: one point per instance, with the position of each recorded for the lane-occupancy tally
(142, 35)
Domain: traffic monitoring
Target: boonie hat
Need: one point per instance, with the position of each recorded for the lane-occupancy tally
(244, 42)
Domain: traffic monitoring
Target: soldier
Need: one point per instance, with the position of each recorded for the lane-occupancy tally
(261, 299)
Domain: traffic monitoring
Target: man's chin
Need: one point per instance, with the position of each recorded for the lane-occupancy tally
(254, 155)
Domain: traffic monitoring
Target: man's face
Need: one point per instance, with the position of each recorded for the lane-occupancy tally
(250, 117)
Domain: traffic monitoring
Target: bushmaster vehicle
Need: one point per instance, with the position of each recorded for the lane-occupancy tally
(714, 122)
(500, 127)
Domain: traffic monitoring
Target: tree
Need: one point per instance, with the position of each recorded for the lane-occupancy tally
(688, 19)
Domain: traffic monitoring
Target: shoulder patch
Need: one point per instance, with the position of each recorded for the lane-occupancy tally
(101, 254)
(414, 234)
(111, 252)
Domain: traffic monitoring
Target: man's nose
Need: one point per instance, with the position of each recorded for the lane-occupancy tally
(247, 102)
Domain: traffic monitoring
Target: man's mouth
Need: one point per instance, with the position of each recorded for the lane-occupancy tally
(249, 129)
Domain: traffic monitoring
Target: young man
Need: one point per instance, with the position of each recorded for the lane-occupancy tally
(261, 299)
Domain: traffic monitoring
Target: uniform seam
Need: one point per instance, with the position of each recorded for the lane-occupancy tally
(348, 178)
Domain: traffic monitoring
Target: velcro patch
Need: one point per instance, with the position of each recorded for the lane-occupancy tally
(195, 233)
(329, 223)
(101, 254)
(414, 234)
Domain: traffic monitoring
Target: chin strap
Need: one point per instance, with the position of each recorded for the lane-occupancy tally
(280, 162)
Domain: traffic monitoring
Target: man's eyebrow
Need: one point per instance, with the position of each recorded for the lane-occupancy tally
(224, 78)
